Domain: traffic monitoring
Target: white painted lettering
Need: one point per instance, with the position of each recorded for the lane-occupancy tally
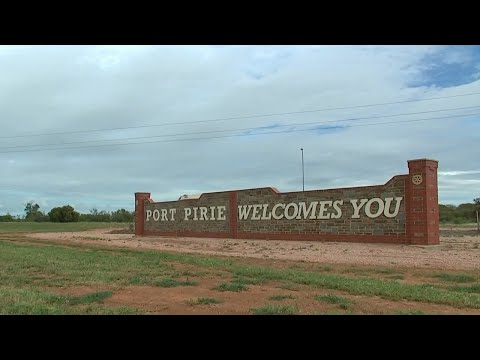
(156, 215)
(212, 212)
(338, 215)
(388, 202)
(264, 215)
(368, 210)
(195, 217)
(323, 209)
(221, 212)
(149, 214)
(274, 214)
(172, 213)
(256, 211)
(164, 215)
(295, 211)
(243, 211)
(203, 213)
(357, 207)
(303, 211)
(188, 212)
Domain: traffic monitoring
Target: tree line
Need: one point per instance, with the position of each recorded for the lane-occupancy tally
(67, 213)
(463, 213)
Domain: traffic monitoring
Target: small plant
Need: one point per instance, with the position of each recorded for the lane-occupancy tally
(174, 283)
(461, 278)
(276, 310)
(204, 301)
(475, 288)
(344, 303)
(387, 271)
(233, 286)
(94, 297)
(280, 297)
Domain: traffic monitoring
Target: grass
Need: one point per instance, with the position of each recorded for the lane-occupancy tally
(459, 278)
(28, 301)
(343, 302)
(6, 227)
(276, 310)
(204, 301)
(94, 297)
(232, 286)
(387, 271)
(475, 288)
(280, 297)
(27, 270)
(167, 283)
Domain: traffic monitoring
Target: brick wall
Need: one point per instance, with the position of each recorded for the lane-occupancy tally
(409, 215)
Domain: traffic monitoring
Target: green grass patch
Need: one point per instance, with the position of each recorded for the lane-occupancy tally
(276, 310)
(232, 286)
(280, 297)
(6, 227)
(94, 297)
(475, 288)
(460, 278)
(205, 301)
(386, 271)
(193, 273)
(174, 283)
(28, 301)
(341, 301)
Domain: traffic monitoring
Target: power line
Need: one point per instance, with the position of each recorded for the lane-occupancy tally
(239, 135)
(237, 118)
(240, 129)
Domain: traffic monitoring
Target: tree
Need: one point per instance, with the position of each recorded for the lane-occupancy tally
(477, 208)
(122, 215)
(7, 218)
(63, 214)
(31, 210)
(33, 213)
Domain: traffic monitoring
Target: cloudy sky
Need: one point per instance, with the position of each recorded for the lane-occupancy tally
(157, 99)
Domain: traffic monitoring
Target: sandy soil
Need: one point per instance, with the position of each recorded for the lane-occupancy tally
(459, 249)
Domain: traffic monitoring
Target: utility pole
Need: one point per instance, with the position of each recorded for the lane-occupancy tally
(303, 172)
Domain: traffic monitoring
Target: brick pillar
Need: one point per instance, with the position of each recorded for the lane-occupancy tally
(422, 203)
(140, 199)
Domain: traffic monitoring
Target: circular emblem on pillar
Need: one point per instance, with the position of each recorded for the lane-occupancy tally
(417, 179)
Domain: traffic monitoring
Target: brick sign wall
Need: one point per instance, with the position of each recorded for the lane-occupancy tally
(404, 210)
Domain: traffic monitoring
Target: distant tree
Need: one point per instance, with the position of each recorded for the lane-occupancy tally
(122, 215)
(31, 210)
(33, 213)
(477, 210)
(7, 218)
(63, 214)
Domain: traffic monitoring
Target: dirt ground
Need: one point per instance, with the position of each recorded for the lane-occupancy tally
(459, 249)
